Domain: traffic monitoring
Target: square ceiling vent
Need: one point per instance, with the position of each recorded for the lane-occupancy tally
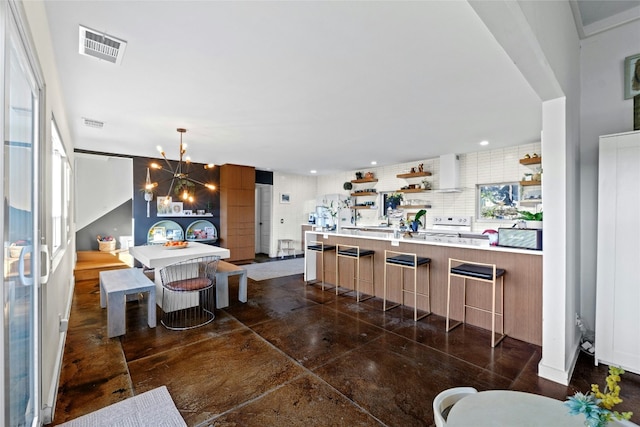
(99, 45)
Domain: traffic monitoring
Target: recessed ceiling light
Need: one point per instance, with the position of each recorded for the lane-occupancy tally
(374, 162)
(313, 171)
(485, 142)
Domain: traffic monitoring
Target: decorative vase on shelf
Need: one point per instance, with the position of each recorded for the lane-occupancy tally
(414, 226)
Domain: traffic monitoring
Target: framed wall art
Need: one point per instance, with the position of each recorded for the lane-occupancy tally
(285, 198)
(164, 205)
(631, 76)
(176, 208)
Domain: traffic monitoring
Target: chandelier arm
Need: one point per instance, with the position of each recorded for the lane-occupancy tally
(163, 181)
(198, 182)
(168, 164)
(166, 170)
(171, 187)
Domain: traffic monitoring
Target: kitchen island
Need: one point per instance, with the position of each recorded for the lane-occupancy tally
(522, 285)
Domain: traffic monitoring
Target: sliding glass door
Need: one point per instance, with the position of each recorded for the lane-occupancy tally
(21, 281)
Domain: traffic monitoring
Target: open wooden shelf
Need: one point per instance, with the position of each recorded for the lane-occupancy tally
(363, 207)
(527, 183)
(363, 180)
(531, 161)
(364, 193)
(412, 190)
(413, 175)
(409, 207)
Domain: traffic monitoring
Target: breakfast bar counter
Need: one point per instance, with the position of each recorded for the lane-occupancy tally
(522, 281)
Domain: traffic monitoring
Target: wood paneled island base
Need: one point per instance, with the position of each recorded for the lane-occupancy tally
(522, 286)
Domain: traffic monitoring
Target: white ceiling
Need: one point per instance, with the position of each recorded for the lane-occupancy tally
(292, 86)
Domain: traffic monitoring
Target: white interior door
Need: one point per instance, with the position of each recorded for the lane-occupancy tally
(20, 332)
(263, 218)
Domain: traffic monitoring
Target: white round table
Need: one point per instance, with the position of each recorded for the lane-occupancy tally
(511, 408)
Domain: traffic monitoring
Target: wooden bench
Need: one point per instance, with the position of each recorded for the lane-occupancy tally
(223, 272)
(115, 285)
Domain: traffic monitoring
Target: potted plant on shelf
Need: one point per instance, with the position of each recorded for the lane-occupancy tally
(533, 220)
(416, 220)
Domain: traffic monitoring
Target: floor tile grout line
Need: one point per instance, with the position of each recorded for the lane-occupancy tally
(249, 401)
(482, 368)
(313, 374)
(515, 380)
(222, 334)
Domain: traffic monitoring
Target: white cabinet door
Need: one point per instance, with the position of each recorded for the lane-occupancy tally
(618, 277)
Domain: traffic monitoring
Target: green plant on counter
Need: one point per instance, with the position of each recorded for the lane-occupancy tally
(530, 216)
(417, 217)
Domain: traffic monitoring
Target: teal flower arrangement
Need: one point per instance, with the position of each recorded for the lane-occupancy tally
(597, 406)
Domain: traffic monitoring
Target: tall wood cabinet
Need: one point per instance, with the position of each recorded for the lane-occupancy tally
(618, 282)
(237, 211)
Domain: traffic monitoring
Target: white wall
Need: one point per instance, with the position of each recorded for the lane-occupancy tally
(114, 174)
(552, 26)
(57, 293)
(287, 218)
(603, 111)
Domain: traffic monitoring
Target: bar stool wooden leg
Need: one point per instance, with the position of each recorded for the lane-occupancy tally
(384, 295)
(488, 273)
(448, 326)
(354, 252)
(407, 261)
(358, 299)
(318, 247)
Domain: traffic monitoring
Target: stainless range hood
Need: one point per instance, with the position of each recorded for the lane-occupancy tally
(449, 174)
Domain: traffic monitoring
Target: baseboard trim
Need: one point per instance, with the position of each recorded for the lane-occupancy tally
(49, 405)
(556, 375)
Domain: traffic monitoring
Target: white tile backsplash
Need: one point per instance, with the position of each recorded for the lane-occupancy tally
(482, 167)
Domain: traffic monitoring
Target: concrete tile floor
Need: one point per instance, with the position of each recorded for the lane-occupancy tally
(297, 356)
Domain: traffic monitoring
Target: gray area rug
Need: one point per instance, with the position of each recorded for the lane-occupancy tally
(272, 269)
(152, 408)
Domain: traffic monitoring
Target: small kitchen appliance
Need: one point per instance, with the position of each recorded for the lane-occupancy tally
(522, 238)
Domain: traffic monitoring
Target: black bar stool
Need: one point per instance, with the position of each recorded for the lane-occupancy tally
(318, 246)
(354, 252)
(412, 262)
(482, 272)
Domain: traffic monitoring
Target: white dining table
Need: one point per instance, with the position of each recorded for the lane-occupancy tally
(158, 256)
(496, 408)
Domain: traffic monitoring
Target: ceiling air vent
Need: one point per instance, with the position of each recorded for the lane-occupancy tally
(101, 46)
(92, 123)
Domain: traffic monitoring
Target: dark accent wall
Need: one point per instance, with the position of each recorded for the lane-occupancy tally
(205, 198)
(264, 177)
(115, 223)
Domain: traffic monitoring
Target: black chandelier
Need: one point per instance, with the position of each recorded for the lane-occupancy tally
(182, 184)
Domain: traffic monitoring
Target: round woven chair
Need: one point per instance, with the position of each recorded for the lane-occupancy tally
(188, 293)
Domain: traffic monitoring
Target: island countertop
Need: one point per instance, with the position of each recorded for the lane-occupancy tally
(522, 281)
(421, 238)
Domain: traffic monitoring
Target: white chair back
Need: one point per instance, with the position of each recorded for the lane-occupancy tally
(445, 400)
